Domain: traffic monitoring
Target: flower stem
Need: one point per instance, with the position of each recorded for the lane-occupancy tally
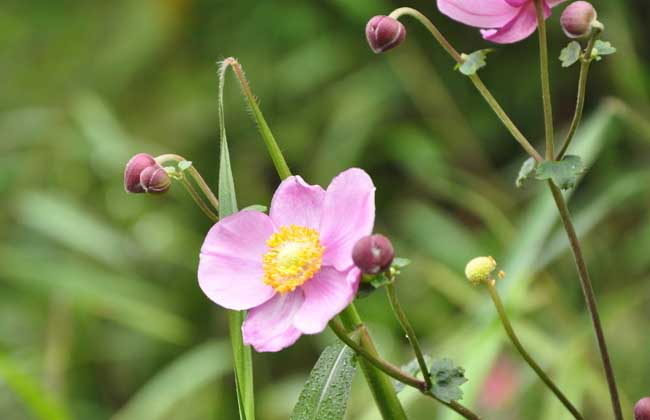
(475, 79)
(391, 370)
(585, 65)
(199, 201)
(410, 333)
(195, 174)
(590, 298)
(503, 316)
(272, 146)
(546, 85)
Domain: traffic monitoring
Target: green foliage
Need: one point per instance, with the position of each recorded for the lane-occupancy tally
(473, 62)
(413, 369)
(570, 54)
(602, 48)
(447, 379)
(326, 393)
(563, 173)
(526, 172)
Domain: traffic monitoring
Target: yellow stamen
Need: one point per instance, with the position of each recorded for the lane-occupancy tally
(295, 255)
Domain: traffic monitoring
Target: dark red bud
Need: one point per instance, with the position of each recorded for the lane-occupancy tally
(154, 179)
(384, 33)
(578, 19)
(373, 254)
(642, 409)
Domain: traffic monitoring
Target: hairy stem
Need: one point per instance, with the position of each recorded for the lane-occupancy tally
(198, 200)
(475, 79)
(507, 326)
(590, 298)
(546, 84)
(410, 332)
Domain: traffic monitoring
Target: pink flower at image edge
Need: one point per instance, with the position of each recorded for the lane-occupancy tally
(292, 269)
(502, 21)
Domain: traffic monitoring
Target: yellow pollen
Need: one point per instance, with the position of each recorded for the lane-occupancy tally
(294, 256)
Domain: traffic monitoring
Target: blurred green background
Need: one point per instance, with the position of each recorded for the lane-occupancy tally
(100, 313)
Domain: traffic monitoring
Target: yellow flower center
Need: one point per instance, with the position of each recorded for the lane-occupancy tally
(294, 256)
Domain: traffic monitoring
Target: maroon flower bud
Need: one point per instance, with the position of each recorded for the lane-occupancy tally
(642, 409)
(578, 19)
(373, 254)
(154, 179)
(134, 168)
(384, 33)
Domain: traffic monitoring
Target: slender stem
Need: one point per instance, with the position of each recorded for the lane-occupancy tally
(198, 200)
(195, 174)
(494, 294)
(271, 144)
(410, 332)
(392, 370)
(476, 80)
(585, 65)
(546, 85)
(590, 298)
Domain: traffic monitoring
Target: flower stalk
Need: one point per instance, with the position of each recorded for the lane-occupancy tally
(546, 84)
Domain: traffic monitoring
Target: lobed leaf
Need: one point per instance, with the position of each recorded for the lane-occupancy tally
(570, 54)
(563, 173)
(447, 379)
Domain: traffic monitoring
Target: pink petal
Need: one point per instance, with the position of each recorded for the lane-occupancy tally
(269, 327)
(348, 215)
(521, 27)
(230, 268)
(553, 3)
(297, 203)
(326, 294)
(517, 3)
(479, 13)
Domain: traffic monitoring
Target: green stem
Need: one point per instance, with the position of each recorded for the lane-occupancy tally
(195, 174)
(590, 298)
(585, 65)
(410, 333)
(274, 150)
(475, 79)
(198, 200)
(494, 294)
(382, 389)
(546, 85)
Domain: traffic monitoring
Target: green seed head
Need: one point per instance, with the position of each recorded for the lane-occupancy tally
(480, 269)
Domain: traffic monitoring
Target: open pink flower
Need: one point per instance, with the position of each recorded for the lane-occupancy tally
(504, 21)
(293, 268)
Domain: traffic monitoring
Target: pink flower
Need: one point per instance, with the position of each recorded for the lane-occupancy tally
(504, 21)
(293, 268)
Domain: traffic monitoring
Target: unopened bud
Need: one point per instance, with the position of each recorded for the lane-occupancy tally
(480, 269)
(384, 33)
(154, 179)
(373, 254)
(579, 19)
(642, 409)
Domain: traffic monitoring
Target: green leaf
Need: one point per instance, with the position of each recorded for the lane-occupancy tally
(379, 280)
(526, 172)
(256, 207)
(602, 48)
(564, 173)
(243, 363)
(399, 262)
(413, 369)
(184, 165)
(326, 393)
(570, 54)
(473, 62)
(447, 379)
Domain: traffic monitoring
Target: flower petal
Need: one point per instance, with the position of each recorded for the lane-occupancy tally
(269, 327)
(230, 267)
(327, 294)
(521, 27)
(348, 215)
(297, 203)
(479, 13)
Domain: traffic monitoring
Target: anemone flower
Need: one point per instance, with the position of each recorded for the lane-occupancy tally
(503, 21)
(292, 269)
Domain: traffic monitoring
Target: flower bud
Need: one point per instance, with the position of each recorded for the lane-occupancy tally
(384, 33)
(578, 19)
(480, 269)
(373, 254)
(642, 409)
(154, 179)
(134, 168)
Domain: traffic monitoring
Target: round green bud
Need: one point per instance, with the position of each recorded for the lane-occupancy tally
(480, 269)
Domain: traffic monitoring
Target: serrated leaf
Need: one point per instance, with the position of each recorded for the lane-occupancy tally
(570, 54)
(564, 173)
(526, 172)
(413, 369)
(447, 379)
(256, 207)
(473, 62)
(602, 48)
(326, 393)
(184, 165)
